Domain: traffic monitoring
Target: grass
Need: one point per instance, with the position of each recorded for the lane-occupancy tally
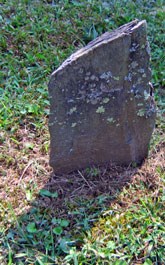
(106, 216)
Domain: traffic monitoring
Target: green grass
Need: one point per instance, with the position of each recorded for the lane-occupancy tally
(125, 227)
(36, 37)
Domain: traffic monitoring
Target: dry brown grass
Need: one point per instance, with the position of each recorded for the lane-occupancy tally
(25, 167)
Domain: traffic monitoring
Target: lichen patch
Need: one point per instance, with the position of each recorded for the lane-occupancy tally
(106, 100)
(100, 109)
(73, 124)
(72, 110)
(110, 120)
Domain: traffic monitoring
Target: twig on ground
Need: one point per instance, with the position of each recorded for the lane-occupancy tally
(81, 175)
(25, 169)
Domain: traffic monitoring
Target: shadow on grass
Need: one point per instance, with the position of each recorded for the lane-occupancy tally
(62, 214)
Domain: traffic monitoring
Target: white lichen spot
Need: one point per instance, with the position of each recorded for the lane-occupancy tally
(108, 81)
(73, 124)
(70, 100)
(103, 76)
(116, 78)
(51, 123)
(82, 92)
(141, 70)
(132, 49)
(138, 96)
(92, 85)
(94, 101)
(110, 120)
(118, 124)
(141, 112)
(93, 77)
(100, 109)
(105, 100)
(134, 64)
(103, 87)
(80, 71)
(144, 75)
(88, 73)
(82, 87)
(72, 110)
(118, 89)
(139, 80)
(146, 95)
(106, 75)
(148, 49)
(128, 77)
(140, 104)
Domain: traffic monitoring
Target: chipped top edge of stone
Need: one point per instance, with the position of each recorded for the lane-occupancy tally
(104, 38)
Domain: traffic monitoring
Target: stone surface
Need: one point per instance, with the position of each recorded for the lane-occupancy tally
(101, 105)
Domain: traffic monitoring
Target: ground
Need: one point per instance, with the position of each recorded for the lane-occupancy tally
(109, 215)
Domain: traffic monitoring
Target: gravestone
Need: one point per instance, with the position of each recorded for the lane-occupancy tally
(101, 104)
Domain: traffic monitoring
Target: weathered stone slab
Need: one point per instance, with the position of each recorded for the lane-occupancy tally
(101, 105)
